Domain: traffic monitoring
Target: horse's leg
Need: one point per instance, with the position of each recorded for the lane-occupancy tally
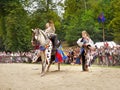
(43, 62)
(58, 66)
(43, 68)
(48, 60)
(48, 56)
(49, 66)
(36, 56)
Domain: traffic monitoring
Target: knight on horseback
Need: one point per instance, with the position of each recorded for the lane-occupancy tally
(47, 41)
(50, 32)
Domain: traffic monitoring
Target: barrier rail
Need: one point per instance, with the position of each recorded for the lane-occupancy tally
(15, 59)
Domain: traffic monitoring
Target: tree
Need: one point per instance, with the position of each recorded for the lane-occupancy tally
(79, 17)
(4, 11)
(40, 17)
(17, 20)
(15, 33)
(82, 15)
(115, 22)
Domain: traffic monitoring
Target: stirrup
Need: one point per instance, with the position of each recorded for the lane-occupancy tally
(58, 43)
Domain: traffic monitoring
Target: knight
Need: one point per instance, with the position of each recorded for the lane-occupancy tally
(50, 32)
(86, 45)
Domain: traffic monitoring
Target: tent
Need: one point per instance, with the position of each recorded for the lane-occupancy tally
(108, 43)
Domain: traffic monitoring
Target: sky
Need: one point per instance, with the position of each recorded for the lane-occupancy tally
(34, 6)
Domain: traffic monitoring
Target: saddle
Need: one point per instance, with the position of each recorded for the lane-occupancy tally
(56, 43)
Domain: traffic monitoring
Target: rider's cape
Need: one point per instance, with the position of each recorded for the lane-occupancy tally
(60, 55)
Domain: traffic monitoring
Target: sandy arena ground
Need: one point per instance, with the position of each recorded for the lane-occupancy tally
(71, 77)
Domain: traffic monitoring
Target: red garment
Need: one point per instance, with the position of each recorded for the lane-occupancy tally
(59, 57)
(106, 44)
(36, 47)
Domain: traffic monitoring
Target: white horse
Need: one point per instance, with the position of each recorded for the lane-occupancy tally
(46, 47)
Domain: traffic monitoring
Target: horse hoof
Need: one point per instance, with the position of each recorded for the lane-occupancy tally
(33, 61)
(42, 74)
(47, 70)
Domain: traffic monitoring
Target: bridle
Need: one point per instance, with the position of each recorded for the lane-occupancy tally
(35, 36)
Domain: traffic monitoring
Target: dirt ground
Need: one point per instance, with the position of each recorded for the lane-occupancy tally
(71, 77)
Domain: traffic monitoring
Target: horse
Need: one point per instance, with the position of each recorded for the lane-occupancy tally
(46, 48)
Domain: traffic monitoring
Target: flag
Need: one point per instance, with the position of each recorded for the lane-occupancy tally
(101, 18)
(60, 55)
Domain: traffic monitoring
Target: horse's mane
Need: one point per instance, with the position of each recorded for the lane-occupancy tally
(43, 33)
(42, 37)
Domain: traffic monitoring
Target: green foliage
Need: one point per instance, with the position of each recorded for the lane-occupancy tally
(82, 15)
(115, 22)
(81, 19)
(15, 34)
(16, 22)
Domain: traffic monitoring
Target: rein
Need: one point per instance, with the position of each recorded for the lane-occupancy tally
(41, 33)
(44, 35)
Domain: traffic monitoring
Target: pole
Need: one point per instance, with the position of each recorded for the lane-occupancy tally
(103, 32)
(85, 5)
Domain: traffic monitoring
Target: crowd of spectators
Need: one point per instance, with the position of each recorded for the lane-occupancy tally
(108, 56)
(15, 57)
(101, 56)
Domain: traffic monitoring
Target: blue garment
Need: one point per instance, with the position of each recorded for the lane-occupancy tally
(42, 48)
(78, 60)
(81, 50)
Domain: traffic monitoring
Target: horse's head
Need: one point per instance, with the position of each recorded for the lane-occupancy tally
(34, 40)
(35, 33)
(39, 35)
